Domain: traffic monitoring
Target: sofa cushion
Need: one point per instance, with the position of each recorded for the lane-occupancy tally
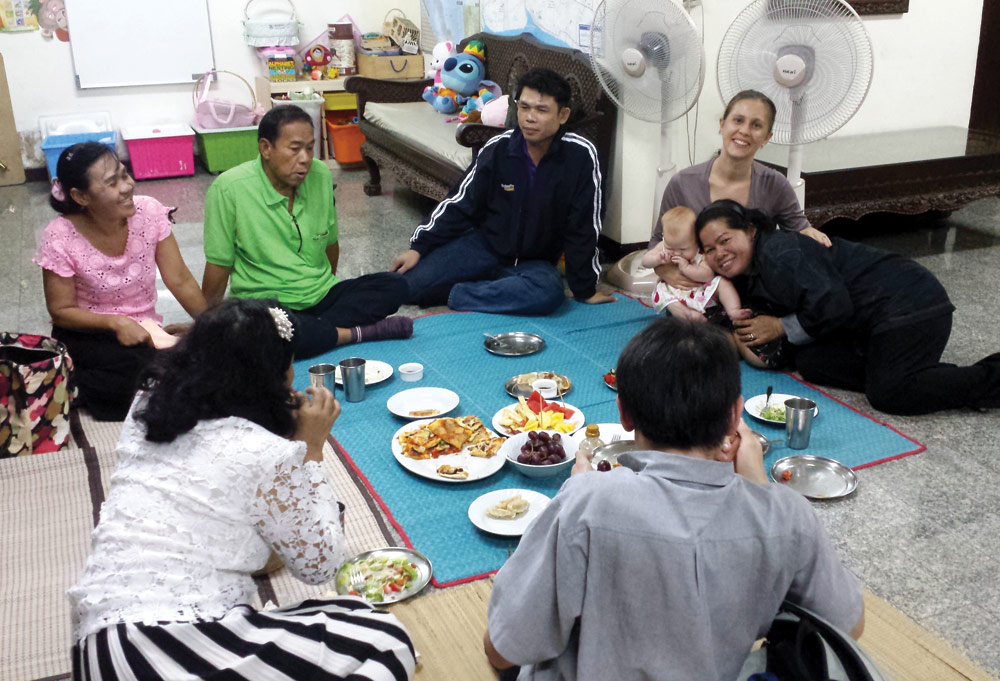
(423, 128)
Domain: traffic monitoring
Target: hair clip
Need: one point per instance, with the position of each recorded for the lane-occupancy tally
(282, 322)
(57, 191)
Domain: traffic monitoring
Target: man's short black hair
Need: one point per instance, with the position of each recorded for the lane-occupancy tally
(546, 82)
(678, 380)
(274, 120)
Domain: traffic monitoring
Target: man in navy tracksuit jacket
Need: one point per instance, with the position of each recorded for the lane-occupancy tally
(532, 194)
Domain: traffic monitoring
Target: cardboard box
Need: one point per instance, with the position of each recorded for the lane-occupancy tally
(391, 68)
(406, 35)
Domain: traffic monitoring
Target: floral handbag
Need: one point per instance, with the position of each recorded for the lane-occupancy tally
(35, 394)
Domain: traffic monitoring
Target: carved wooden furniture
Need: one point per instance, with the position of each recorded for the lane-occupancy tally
(507, 59)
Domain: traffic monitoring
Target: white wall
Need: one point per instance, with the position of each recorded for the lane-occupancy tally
(925, 63)
(41, 76)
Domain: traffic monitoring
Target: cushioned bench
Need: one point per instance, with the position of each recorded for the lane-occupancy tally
(407, 137)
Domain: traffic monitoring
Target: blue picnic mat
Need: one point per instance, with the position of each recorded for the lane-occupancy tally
(582, 342)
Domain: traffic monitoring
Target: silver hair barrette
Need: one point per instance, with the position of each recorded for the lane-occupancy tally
(282, 322)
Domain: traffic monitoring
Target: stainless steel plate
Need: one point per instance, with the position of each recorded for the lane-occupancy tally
(815, 477)
(610, 452)
(419, 560)
(514, 344)
(520, 385)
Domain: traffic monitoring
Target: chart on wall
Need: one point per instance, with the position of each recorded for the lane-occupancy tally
(565, 23)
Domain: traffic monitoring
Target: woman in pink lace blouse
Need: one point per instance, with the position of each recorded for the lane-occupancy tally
(99, 262)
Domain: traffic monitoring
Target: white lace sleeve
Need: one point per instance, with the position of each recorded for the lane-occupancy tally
(296, 513)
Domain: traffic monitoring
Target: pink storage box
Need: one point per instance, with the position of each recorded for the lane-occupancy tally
(160, 150)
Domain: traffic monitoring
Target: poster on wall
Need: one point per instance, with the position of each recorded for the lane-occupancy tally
(51, 15)
(554, 22)
(448, 20)
(16, 15)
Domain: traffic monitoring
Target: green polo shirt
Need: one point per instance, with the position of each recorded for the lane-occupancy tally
(249, 230)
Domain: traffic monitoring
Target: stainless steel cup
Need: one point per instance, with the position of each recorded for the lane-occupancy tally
(352, 373)
(799, 414)
(321, 376)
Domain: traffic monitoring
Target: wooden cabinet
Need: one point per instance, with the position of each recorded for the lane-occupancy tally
(11, 165)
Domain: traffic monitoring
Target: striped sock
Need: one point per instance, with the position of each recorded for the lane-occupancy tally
(389, 328)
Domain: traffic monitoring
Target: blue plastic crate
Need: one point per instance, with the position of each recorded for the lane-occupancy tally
(53, 145)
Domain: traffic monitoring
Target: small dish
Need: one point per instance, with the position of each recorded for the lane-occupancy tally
(611, 380)
(546, 387)
(418, 560)
(815, 477)
(755, 404)
(422, 403)
(512, 447)
(375, 372)
(411, 371)
(514, 344)
(520, 385)
(514, 527)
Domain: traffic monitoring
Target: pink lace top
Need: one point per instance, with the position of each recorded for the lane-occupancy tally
(125, 284)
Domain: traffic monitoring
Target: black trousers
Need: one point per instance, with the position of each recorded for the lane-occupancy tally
(105, 371)
(351, 302)
(900, 371)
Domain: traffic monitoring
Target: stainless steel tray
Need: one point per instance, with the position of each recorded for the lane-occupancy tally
(514, 344)
(815, 477)
(520, 385)
(423, 568)
(610, 452)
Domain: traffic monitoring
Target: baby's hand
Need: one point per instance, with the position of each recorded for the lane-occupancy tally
(679, 260)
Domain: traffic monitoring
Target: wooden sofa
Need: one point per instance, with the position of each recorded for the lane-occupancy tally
(405, 136)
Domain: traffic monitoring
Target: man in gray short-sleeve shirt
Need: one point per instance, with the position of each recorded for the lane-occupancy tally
(674, 564)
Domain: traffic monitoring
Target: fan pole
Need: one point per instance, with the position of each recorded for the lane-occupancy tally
(664, 169)
(795, 150)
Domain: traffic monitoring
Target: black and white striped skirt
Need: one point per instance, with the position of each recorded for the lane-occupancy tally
(339, 638)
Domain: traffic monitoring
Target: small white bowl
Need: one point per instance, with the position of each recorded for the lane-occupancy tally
(546, 387)
(512, 447)
(411, 371)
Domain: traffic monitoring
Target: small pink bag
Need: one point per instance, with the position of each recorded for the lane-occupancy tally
(213, 113)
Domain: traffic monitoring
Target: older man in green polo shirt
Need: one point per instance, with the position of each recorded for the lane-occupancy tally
(271, 232)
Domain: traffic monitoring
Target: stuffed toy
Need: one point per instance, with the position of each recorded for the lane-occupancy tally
(494, 112)
(488, 91)
(441, 52)
(462, 76)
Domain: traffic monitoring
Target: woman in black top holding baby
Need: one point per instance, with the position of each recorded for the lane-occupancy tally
(859, 317)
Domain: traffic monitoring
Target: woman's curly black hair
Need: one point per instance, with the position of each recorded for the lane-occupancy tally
(231, 363)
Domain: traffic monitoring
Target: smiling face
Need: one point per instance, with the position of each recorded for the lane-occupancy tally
(109, 191)
(539, 116)
(287, 162)
(727, 250)
(746, 129)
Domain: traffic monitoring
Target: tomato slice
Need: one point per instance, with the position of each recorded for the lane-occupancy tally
(393, 586)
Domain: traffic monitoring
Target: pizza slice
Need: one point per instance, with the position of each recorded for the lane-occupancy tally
(487, 448)
(476, 430)
(452, 472)
(449, 430)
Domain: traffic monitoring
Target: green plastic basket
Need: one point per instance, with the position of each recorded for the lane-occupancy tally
(226, 148)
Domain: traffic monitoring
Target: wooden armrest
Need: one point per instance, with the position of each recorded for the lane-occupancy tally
(475, 135)
(378, 90)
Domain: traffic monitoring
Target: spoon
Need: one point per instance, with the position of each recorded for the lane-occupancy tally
(767, 399)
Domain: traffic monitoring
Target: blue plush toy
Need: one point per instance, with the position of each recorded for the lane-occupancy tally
(461, 79)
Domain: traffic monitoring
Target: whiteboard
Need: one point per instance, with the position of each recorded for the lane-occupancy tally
(139, 42)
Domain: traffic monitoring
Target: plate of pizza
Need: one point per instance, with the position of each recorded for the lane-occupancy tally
(449, 449)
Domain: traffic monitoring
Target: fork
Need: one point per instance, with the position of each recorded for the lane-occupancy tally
(355, 578)
(616, 437)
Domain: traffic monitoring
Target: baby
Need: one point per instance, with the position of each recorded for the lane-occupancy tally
(679, 263)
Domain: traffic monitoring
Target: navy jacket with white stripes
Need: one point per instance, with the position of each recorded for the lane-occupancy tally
(525, 216)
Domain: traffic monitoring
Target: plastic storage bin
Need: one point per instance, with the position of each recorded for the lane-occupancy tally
(160, 150)
(312, 106)
(54, 145)
(224, 148)
(346, 141)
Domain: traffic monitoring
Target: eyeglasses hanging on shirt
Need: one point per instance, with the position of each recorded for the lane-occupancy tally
(297, 229)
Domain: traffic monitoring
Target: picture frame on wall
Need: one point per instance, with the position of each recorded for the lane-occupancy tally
(863, 7)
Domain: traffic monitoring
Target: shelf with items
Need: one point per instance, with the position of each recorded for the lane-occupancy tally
(331, 89)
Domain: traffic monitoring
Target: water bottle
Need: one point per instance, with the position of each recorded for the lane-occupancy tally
(591, 442)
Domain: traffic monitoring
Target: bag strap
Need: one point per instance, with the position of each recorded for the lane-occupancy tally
(852, 663)
(196, 99)
(246, 9)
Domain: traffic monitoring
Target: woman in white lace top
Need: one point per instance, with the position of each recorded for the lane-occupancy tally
(218, 466)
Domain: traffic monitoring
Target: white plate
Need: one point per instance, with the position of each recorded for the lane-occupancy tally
(406, 402)
(756, 403)
(508, 528)
(576, 419)
(375, 372)
(477, 467)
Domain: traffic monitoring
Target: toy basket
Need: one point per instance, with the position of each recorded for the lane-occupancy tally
(267, 25)
(214, 113)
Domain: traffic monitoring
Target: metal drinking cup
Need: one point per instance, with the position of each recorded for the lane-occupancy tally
(352, 373)
(799, 413)
(321, 376)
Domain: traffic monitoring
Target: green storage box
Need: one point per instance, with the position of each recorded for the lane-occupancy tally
(225, 148)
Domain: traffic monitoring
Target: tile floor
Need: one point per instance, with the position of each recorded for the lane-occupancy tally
(922, 532)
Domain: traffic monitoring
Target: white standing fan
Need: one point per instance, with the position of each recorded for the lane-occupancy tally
(649, 58)
(813, 58)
